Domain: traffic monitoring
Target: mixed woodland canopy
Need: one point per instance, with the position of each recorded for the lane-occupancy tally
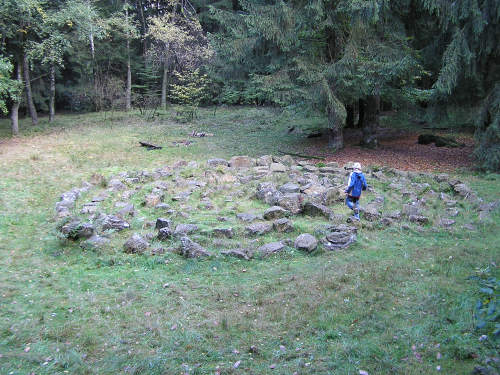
(345, 59)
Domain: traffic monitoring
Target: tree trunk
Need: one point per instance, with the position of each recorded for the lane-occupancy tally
(143, 26)
(164, 86)
(335, 135)
(52, 100)
(128, 96)
(14, 112)
(29, 95)
(361, 117)
(371, 123)
(349, 122)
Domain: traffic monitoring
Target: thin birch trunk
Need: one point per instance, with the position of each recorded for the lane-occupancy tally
(52, 101)
(128, 98)
(128, 95)
(164, 86)
(29, 94)
(14, 112)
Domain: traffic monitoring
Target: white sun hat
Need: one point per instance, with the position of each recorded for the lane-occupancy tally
(357, 167)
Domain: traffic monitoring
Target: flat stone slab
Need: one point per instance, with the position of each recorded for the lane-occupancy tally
(306, 242)
(270, 248)
(275, 212)
(191, 249)
(182, 229)
(258, 229)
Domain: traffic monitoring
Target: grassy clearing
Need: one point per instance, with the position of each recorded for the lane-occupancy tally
(393, 303)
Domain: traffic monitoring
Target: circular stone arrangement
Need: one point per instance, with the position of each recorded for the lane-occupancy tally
(248, 207)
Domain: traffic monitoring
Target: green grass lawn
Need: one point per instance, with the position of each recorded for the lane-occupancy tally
(396, 302)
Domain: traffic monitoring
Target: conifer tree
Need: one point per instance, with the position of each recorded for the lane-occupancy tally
(468, 73)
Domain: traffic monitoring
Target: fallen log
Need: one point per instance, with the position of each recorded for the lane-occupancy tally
(150, 146)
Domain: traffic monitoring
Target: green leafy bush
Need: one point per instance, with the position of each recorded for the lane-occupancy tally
(487, 310)
(190, 90)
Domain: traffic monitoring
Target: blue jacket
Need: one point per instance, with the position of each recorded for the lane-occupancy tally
(356, 184)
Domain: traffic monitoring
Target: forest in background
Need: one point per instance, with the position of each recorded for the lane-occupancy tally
(344, 59)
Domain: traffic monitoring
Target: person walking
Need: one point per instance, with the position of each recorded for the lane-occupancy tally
(355, 185)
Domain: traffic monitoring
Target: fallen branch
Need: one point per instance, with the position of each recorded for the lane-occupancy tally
(302, 156)
(150, 146)
(201, 134)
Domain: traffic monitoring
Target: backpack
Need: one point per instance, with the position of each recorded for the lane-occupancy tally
(357, 183)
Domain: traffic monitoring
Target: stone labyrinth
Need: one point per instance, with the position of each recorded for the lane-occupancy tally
(253, 208)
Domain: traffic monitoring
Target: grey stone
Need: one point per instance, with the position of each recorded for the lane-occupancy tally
(466, 192)
(258, 229)
(444, 222)
(136, 244)
(266, 192)
(162, 206)
(100, 197)
(395, 215)
(163, 223)
(112, 222)
(182, 229)
(411, 209)
(246, 217)
(95, 242)
(132, 180)
(285, 160)
(419, 219)
(278, 168)
(489, 206)
(306, 242)
(339, 237)
(217, 162)
(63, 212)
(370, 212)
(387, 221)
(275, 212)
(316, 209)
(291, 202)
(181, 196)
(328, 170)
(283, 225)
(152, 200)
(453, 212)
(116, 185)
(289, 187)
(223, 232)
(127, 194)
(310, 168)
(76, 229)
(89, 208)
(265, 160)
(333, 195)
(127, 210)
(271, 248)
(241, 162)
(164, 233)
(158, 251)
(314, 192)
(191, 249)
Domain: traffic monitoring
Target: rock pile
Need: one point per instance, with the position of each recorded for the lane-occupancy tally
(268, 205)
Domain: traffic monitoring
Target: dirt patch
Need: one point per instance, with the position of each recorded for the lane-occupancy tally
(400, 150)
